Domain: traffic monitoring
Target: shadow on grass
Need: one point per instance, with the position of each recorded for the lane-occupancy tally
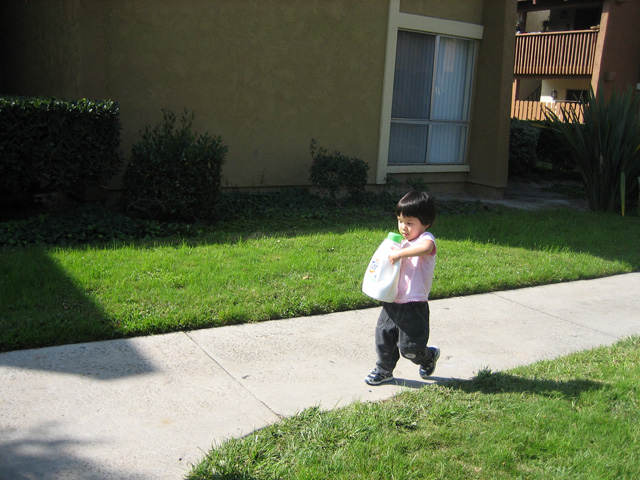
(31, 282)
(65, 315)
(550, 230)
(498, 383)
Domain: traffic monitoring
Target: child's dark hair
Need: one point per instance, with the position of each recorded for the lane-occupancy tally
(417, 204)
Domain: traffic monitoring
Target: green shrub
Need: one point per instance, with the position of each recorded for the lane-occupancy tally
(51, 145)
(334, 173)
(552, 150)
(173, 173)
(523, 142)
(605, 146)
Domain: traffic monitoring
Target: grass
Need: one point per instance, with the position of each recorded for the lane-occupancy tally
(572, 418)
(267, 268)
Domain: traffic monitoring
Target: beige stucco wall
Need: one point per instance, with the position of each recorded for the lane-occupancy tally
(490, 117)
(40, 53)
(265, 75)
(469, 11)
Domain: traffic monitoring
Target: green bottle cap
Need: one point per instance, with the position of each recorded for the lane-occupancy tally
(394, 237)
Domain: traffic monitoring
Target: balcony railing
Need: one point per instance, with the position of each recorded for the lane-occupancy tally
(555, 53)
(525, 110)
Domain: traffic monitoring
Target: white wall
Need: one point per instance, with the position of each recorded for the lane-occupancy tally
(561, 85)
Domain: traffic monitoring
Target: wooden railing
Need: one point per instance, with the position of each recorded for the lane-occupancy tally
(555, 53)
(525, 110)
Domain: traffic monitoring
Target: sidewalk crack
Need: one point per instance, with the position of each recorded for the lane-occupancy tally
(230, 375)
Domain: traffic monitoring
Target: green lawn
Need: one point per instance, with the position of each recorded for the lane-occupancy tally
(268, 268)
(573, 418)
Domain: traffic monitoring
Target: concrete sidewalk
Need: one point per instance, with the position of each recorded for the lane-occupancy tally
(147, 408)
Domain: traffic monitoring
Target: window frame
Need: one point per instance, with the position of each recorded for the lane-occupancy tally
(427, 25)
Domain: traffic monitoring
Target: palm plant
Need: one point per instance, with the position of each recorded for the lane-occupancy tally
(604, 146)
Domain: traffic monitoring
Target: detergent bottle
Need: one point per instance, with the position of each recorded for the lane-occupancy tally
(381, 278)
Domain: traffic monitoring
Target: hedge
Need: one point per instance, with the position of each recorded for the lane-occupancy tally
(53, 145)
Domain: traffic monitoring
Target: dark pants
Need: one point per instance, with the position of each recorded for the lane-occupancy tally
(402, 329)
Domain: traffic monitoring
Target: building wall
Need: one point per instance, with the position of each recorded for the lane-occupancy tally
(40, 51)
(231, 63)
(490, 117)
(267, 76)
(469, 11)
(618, 66)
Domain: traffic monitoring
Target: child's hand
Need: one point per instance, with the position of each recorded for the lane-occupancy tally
(394, 256)
(422, 248)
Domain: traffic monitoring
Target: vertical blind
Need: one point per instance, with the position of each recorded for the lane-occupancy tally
(431, 97)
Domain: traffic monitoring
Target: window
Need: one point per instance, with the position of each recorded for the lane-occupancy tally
(426, 94)
(431, 97)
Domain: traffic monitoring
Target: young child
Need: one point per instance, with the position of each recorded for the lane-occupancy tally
(403, 326)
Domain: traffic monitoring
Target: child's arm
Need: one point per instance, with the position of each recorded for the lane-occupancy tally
(424, 247)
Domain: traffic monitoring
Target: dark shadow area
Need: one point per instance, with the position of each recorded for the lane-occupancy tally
(550, 230)
(497, 383)
(417, 384)
(273, 214)
(237, 475)
(44, 454)
(32, 281)
(403, 382)
(66, 316)
(103, 361)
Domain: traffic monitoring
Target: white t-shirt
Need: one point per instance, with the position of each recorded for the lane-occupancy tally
(416, 273)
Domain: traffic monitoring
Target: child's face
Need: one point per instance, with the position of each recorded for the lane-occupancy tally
(410, 227)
